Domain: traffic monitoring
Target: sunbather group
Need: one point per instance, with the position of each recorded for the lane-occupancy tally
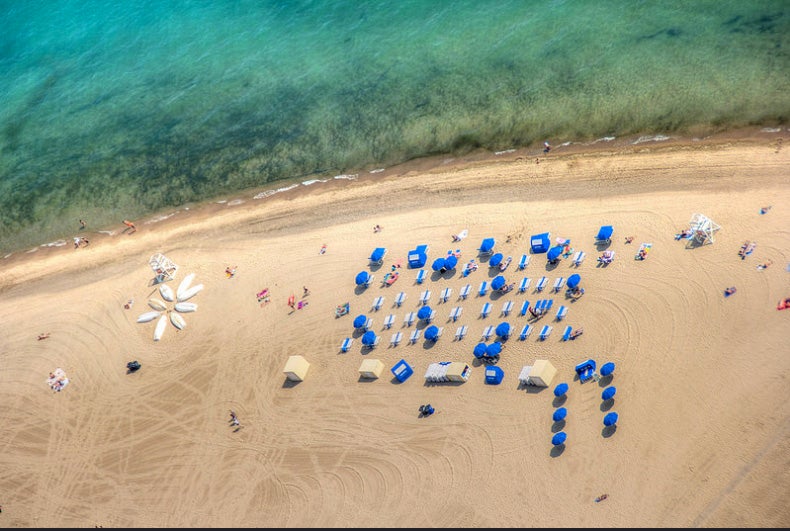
(746, 249)
(470, 267)
(685, 233)
(504, 265)
(607, 257)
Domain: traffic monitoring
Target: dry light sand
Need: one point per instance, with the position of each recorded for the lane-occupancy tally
(702, 380)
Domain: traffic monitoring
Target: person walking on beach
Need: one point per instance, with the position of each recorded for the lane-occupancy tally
(83, 225)
(129, 225)
(234, 420)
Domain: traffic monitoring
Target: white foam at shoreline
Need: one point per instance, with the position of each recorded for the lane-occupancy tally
(56, 243)
(108, 232)
(377, 170)
(160, 218)
(770, 129)
(504, 152)
(346, 176)
(657, 138)
(308, 183)
(236, 202)
(267, 193)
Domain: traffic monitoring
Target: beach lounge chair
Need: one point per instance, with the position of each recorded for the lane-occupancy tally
(374, 344)
(465, 291)
(547, 305)
(578, 258)
(425, 296)
(507, 307)
(346, 344)
(415, 336)
(460, 333)
(525, 332)
(607, 257)
(567, 333)
(446, 292)
(377, 302)
(431, 317)
(506, 263)
(562, 312)
(396, 337)
(438, 333)
(524, 262)
(539, 305)
(558, 284)
(388, 321)
(524, 308)
(486, 310)
(524, 285)
(368, 323)
(408, 319)
(487, 331)
(483, 288)
(421, 276)
(545, 332)
(399, 299)
(456, 312)
(541, 284)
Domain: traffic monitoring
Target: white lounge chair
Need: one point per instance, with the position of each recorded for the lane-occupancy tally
(524, 285)
(483, 288)
(486, 310)
(524, 262)
(567, 333)
(525, 332)
(545, 331)
(408, 319)
(368, 323)
(377, 302)
(460, 333)
(487, 331)
(456, 312)
(524, 308)
(578, 258)
(396, 338)
(347, 342)
(541, 284)
(465, 291)
(562, 312)
(429, 319)
(399, 299)
(507, 307)
(388, 321)
(425, 296)
(420, 276)
(558, 284)
(415, 336)
(446, 292)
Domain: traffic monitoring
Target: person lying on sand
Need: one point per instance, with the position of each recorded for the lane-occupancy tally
(44, 335)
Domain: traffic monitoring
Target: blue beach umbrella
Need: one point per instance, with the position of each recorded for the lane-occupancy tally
(487, 245)
(503, 330)
(432, 333)
(369, 337)
(495, 260)
(607, 369)
(424, 312)
(610, 419)
(561, 389)
(554, 253)
(574, 280)
(362, 278)
(608, 393)
(559, 438)
(498, 282)
(450, 262)
(494, 349)
(480, 350)
(438, 264)
(360, 320)
(559, 414)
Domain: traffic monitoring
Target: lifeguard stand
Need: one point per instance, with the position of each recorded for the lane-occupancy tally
(703, 228)
(164, 268)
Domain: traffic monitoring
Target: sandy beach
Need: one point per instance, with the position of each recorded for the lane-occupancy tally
(702, 379)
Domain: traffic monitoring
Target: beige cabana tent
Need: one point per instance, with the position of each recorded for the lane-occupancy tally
(371, 368)
(541, 373)
(458, 371)
(296, 368)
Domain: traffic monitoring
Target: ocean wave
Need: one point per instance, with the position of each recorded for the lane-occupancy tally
(346, 176)
(504, 152)
(313, 181)
(656, 138)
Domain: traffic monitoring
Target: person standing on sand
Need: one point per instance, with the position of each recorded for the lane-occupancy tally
(130, 225)
(82, 225)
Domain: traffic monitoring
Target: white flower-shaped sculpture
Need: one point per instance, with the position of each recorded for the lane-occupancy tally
(184, 292)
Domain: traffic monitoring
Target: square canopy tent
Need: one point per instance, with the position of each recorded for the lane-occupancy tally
(402, 371)
(371, 368)
(540, 243)
(458, 371)
(703, 228)
(296, 368)
(541, 373)
(418, 256)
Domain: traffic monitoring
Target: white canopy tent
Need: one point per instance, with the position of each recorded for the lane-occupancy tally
(703, 228)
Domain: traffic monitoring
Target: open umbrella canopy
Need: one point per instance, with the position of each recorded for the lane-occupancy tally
(561, 389)
(362, 278)
(377, 254)
(480, 350)
(559, 414)
(503, 329)
(360, 320)
(494, 349)
(574, 280)
(495, 260)
(438, 264)
(605, 232)
(607, 369)
(559, 438)
(554, 253)
(450, 262)
(369, 337)
(498, 282)
(432, 333)
(610, 419)
(487, 245)
(424, 312)
(608, 393)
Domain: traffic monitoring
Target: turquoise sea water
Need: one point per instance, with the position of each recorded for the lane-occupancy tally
(114, 110)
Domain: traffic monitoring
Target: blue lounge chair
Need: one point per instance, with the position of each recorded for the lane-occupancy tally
(547, 306)
(541, 284)
(347, 342)
(524, 262)
(368, 323)
(507, 307)
(525, 332)
(558, 284)
(545, 331)
(483, 288)
(456, 312)
(425, 296)
(486, 310)
(430, 317)
(540, 305)
(420, 276)
(567, 333)
(408, 319)
(465, 291)
(524, 308)
(415, 336)
(446, 292)
(524, 285)
(399, 299)
(562, 312)
(377, 302)
(396, 338)
(460, 333)
(487, 331)
(388, 321)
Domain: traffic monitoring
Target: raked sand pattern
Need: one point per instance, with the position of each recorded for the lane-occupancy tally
(702, 380)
